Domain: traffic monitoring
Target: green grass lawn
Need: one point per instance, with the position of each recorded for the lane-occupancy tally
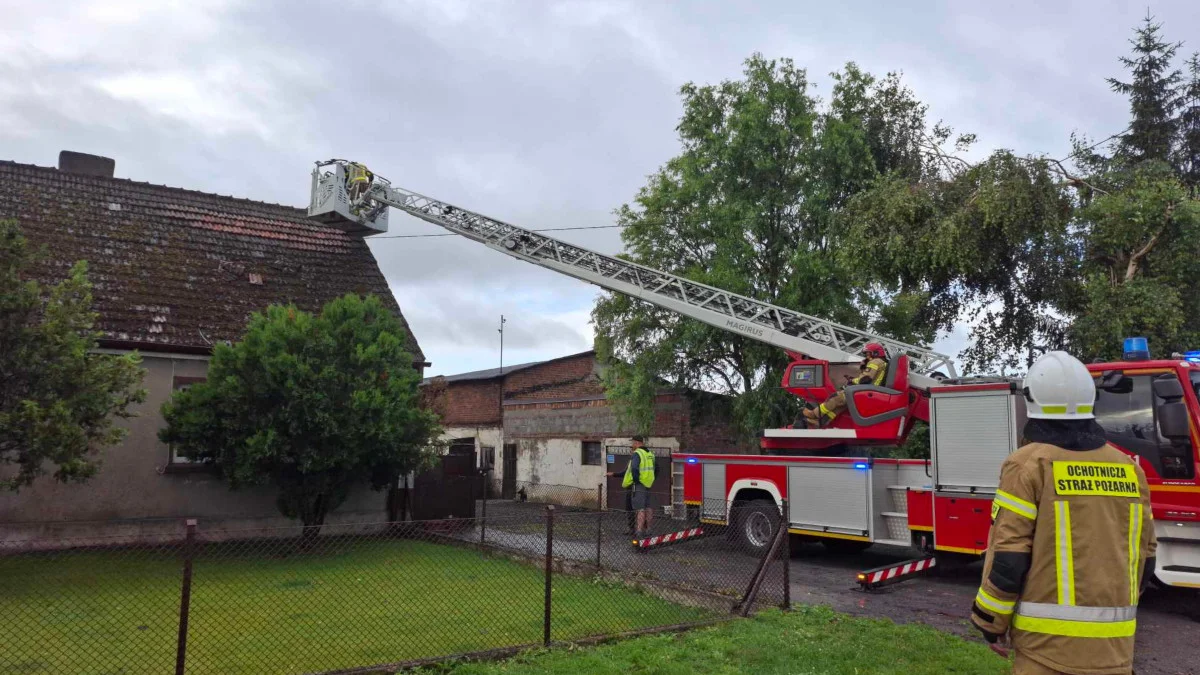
(370, 602)
(811, 640)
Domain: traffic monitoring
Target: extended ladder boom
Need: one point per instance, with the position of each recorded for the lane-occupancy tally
(817, 338)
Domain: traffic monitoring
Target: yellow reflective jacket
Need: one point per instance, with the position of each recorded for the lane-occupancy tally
(645, 474)
(357, 173)
(1071, 532)
(872, 372)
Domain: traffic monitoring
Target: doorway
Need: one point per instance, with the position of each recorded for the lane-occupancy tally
(508, 475)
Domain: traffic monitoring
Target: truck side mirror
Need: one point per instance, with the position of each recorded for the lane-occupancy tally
(1115, 382)
(1173, 420)
(1168, 387)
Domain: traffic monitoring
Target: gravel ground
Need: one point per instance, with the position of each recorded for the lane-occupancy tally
(1168, 640)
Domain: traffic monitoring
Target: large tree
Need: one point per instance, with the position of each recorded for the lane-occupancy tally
(751, 205)
(58, 397)
(1073, 253)
(990, 241)
(310, 404)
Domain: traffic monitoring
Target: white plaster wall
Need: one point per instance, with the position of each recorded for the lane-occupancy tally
(484, 436)
(557, 461)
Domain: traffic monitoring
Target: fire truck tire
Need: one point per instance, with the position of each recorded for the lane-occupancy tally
(755, 526)
(844, 546)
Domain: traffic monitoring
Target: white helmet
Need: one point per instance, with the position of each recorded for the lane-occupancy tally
(1059, 387)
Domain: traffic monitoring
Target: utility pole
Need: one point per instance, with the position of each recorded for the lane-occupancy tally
(501, 402)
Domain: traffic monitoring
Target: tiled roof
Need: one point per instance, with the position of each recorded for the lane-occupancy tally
(176, 269)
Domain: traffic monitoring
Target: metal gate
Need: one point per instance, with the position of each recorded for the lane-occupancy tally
(508, 474)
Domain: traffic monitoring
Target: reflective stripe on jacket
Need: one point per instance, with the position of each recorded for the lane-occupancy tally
(358, 173)
(874, 372)
(1071, 531)
(645, 469)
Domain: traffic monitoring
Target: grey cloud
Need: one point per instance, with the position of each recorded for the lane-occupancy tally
(462, 322)
(546, 114)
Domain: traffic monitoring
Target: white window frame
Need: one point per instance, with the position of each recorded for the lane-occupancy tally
(179, 383)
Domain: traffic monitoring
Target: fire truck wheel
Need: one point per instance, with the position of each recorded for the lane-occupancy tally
(756, 525)
(844, 546)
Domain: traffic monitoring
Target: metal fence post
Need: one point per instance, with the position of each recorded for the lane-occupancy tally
(787, 562)
(599, 521)
(185, 598)
(549, 572)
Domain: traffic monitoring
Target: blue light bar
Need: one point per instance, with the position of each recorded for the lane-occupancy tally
(692, 460)
(1136, 349)
(1192, 356)
(860, 465)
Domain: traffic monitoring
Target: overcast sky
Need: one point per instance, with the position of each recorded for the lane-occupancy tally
(545, 114)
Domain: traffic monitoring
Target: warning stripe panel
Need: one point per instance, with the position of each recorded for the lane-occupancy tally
(895, 572)
(667, 538)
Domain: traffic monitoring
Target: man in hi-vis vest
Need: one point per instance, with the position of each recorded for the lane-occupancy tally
(1071, 536)
(639, 478)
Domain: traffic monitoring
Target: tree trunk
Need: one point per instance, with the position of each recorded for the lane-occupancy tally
(312, 515)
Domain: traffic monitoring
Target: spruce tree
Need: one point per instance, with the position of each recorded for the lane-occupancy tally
(1188, 155)
(1153, 95)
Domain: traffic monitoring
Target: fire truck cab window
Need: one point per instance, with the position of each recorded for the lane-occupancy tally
(1128, 415)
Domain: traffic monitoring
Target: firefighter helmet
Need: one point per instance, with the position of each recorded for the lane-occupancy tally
(1059, 387)
(874, 350)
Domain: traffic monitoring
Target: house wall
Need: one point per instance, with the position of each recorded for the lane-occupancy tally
(566, 378)
(135, 483)
(549, 411)
(484, 436)
(556, 461)
(470, 404)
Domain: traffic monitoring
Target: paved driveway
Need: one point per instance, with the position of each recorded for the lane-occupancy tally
(1168, 641)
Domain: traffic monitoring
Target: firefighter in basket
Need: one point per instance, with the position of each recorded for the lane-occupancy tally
(358, 181)
(873, 370)
(1072, 536)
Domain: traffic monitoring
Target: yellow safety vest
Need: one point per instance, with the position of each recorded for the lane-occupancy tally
(645, 469)
(357, 173)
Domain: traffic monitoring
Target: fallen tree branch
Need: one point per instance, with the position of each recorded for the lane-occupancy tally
(1076, 181)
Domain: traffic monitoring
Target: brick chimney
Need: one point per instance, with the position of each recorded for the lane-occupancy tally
(83, 163)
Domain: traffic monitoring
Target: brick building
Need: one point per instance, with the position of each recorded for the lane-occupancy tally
(174, 272)
(549, 422)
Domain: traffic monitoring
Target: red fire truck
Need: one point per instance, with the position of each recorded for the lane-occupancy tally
(1148, 408)
(835, 489)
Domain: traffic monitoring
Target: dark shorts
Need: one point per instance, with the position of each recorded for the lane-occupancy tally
(640, 499)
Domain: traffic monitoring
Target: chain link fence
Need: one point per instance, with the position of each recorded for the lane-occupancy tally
(373, 597)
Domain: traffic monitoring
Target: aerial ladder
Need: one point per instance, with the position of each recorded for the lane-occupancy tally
(348, 196)
(945, 511)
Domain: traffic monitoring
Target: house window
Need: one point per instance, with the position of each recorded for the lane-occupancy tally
(591, 453)
(176, 459)
(1129, 419)
(487, 458)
